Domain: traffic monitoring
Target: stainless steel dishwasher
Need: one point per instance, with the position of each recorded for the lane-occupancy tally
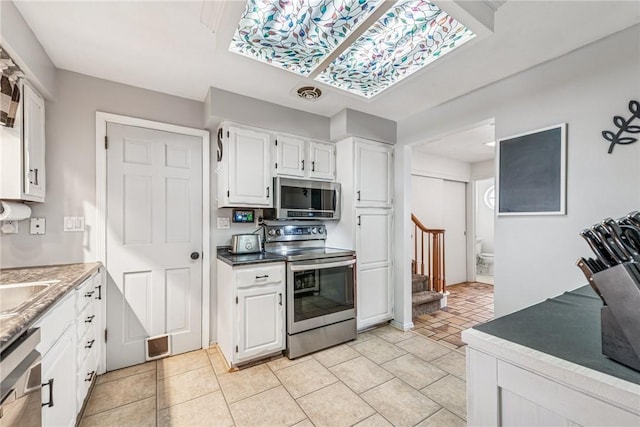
(20, 386)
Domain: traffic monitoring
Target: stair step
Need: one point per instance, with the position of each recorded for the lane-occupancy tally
(425, 297)
(419, 283)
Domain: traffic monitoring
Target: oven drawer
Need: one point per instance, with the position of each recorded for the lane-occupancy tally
(259, 275)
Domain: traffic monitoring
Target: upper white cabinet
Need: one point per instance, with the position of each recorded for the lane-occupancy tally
(374, 176)
(244, 177)
(297, 157)
(22, 152)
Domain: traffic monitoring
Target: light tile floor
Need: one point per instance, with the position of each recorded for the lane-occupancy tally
(384, 378)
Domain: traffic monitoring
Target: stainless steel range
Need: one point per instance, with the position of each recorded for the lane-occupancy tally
(321, 287)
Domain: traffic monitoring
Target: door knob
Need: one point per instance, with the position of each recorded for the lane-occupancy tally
(195, 255)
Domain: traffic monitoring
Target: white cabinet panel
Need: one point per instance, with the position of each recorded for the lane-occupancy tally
(260, 320)
(374, 176)
(375, 298)
(323, 160)
(59, 375)
(290, 156)
(249, 179)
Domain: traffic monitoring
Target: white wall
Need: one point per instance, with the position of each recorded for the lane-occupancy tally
(483, 170)
(535, 255)
(71, 163)
(439, 167)
(25, 49)
(484, 216)
(350, 122)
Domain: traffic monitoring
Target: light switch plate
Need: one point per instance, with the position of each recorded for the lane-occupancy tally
(38, 226)
(223, 222)
(73, 223)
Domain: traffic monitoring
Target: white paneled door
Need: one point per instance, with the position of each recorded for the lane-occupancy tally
(153, 240)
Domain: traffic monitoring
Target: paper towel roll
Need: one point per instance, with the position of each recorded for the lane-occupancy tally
(14, 211)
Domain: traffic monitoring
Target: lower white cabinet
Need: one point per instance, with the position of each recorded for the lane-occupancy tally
(251, 314)
(71, 350)
(59, 378)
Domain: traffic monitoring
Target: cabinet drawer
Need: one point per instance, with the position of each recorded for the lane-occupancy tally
(53, 324)
(258, 276)
(85, 293)
(86, 320)
(86, 373)
(86, 345)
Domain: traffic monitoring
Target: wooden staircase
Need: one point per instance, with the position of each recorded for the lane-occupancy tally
(427, 268)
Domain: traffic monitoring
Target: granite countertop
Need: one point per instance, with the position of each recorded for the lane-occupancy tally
(69, 276)
(243, 259)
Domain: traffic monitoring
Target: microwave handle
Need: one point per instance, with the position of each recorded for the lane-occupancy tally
(303, 267)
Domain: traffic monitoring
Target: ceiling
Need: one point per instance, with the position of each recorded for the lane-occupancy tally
(163, 46)
(466, 145)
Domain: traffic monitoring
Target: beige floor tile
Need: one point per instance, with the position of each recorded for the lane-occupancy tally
(335, 405)
(393, 335)
(183, 387)
(284, 362)
(424, 348)
(379, 350)
(399, 403)
(182, 363)
(362, 336)
(360, 374)
(425, 331)
(414, 371)
(273, 407)
(126, 372)
(454, 363)
(305, 377)
(217, 361)
(376, 420)
(443, 418)
(121, 392)
(137, 414)
(304, 423)
(210, 409)
(449, 392)
(334, 355)
(247, 382)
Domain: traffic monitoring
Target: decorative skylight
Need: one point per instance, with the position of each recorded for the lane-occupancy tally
(297, 35)
(411, 35)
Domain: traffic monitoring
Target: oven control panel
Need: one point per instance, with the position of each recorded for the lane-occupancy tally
(284, 233)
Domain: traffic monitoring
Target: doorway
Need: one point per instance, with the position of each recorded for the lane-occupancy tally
(484, 226)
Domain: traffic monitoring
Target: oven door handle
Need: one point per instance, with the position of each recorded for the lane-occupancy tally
(304, 267)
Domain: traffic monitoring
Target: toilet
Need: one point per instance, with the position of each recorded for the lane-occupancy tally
(485, 259)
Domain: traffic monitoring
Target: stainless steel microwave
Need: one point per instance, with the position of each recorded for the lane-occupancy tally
(304, 199)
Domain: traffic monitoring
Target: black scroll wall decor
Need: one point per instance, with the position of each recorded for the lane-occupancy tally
(623, 125)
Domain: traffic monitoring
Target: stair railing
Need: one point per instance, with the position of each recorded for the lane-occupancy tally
(433, 247)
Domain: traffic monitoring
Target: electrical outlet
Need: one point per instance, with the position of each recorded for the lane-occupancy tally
(9, 227)
(38, 226)
(223, 223)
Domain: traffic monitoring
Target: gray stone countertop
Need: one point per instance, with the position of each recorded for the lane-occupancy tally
(243, 259)
(69, 276)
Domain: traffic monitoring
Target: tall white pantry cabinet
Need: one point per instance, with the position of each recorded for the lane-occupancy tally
(365, 170)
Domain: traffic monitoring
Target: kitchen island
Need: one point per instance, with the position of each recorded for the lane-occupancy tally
(62, 278)
(543, 366)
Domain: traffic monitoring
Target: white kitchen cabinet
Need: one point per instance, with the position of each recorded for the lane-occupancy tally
(301, 158)
(366, 225)
(374, 174)
(22, 152)
(251, 314)
(244, 175)
(72, 350)
(59, 383)
(373, 249)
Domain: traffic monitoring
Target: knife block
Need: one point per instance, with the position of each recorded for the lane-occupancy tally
(620, 317)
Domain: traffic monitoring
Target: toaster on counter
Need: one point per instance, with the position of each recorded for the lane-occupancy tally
(246, 243)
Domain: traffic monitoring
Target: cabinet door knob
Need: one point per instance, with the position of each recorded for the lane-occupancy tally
(303, 165)
(358, 192)
(90, 319)
(313, 166)
(89, 294)
(280, 299)
(195, 255)
(89, 376)
(89, 344)
(49, 383)
(267, 192)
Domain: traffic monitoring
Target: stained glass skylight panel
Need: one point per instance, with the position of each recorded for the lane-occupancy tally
(297, 35)
(409, 36)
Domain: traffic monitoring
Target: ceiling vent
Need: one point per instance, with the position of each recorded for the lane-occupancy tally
(309, 93)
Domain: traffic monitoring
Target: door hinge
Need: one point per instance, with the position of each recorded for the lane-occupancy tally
(236, 349)
(105, 335)
(236, 300)
(106, 142)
